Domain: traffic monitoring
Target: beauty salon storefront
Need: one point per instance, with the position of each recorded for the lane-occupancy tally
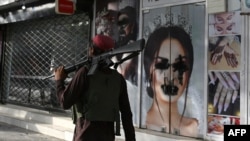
(191, 78)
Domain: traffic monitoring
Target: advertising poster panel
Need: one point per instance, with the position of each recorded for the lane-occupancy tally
(173, 84)
(224, 65)
(119, 19)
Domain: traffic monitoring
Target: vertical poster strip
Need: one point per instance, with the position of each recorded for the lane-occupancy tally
(173, 69)
(224, 65)
(119, 20)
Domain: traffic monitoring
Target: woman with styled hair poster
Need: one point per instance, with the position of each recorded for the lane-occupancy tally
(174, 70)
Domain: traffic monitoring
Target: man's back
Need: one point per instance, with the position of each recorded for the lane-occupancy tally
(96, 99)
(101, 100)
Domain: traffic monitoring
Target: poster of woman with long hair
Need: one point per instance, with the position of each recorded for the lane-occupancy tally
(173, 68)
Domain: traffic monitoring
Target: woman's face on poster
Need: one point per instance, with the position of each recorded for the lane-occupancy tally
(224, 18)
(224, 23)
(167, 57)
(228, 28)
(123, 21)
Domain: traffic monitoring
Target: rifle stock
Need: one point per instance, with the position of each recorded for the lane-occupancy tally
(136, 46)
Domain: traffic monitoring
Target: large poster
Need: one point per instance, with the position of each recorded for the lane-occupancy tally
(174, 69)
(119, 20)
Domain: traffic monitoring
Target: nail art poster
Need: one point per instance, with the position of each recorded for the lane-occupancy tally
(224, 93)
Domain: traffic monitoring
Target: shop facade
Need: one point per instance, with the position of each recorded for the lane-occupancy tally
(190, 80)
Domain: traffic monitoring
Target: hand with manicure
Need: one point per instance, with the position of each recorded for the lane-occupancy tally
(227, 89)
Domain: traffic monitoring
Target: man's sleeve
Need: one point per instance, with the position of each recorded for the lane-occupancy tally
(68, 95)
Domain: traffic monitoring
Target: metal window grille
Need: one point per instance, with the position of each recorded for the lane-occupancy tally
(33, 48)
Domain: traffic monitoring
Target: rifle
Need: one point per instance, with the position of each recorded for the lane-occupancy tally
(104, 59)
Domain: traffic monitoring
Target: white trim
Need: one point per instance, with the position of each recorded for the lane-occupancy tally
(171, 3)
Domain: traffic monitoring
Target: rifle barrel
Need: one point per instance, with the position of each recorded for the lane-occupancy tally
(136, 46)
(71, 68)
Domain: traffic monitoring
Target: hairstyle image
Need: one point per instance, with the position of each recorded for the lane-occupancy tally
(154, 43)
(224, 23)
(163, 115)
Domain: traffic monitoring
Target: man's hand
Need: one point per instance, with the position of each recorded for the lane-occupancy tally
(60, 73)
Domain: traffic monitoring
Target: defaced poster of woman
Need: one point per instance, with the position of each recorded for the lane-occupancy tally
(173, 65)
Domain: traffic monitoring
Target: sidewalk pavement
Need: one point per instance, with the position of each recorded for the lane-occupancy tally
(13, 133)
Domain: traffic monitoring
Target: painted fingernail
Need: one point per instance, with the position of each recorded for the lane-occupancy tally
(234, 96)
(227, 101)
(234, 76)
